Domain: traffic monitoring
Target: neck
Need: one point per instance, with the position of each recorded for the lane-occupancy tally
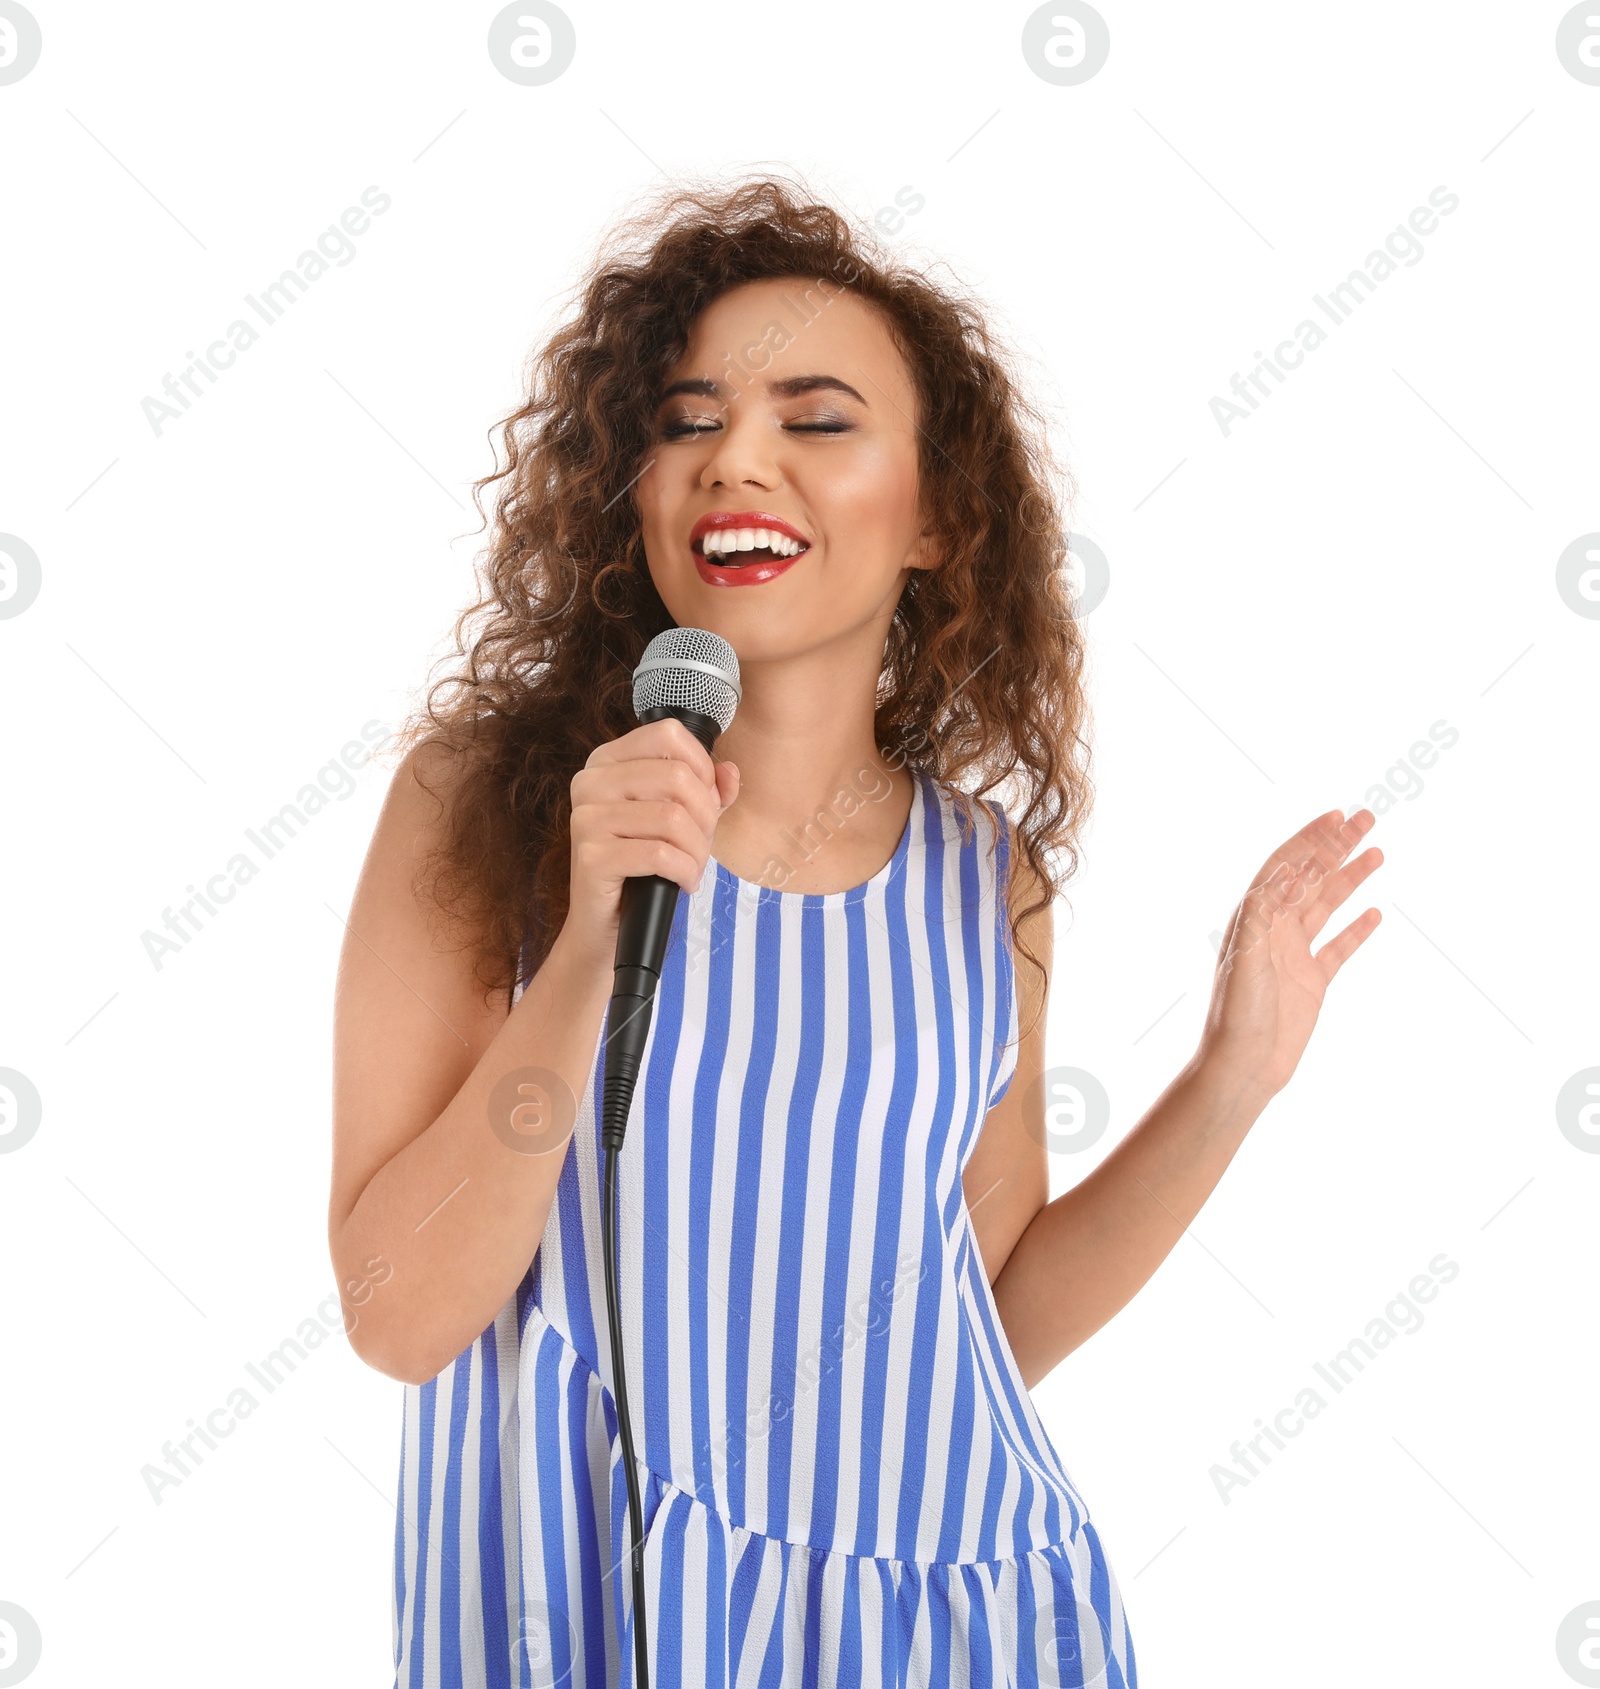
(820, 808)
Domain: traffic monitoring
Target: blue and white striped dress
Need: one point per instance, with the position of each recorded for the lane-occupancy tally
(843, 1478)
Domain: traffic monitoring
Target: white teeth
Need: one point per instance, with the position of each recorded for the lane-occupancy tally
(720, 541)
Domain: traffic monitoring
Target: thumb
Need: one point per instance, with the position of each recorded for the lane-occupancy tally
(727, 783)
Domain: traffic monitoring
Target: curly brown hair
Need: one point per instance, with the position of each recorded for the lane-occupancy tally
(982, 670)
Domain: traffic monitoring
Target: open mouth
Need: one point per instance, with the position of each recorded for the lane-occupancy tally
(746, 539)
(734, 547)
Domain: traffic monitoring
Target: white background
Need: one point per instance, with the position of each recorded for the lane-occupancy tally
(1291, 606)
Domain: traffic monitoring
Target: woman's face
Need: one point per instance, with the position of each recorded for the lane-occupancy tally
(791, 411)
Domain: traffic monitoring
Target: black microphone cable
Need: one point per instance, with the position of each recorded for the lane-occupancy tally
(693, 677)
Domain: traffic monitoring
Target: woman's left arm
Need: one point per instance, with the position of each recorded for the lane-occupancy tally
(1080, 1259)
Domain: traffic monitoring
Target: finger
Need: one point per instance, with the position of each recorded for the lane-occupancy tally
(1321, 845)
(727, 784)
(640, 857)
(1337, 951)
(1363, 821)
(1347, 835)
(646, 819)
(1337, 887)
(647, 780)
(1294, 850)
(664, 738)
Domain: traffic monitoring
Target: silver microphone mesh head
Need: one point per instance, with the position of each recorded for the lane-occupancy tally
(688, 669)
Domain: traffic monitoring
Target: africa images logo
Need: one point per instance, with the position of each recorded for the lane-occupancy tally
(1401, 246)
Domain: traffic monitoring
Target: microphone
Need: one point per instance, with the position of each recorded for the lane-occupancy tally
(693, 677)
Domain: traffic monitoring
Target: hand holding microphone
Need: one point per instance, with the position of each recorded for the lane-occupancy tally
(691, 677)
(644, 804)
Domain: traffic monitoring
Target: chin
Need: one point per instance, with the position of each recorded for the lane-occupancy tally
(748, 610)
(756, 632)
(775, 621)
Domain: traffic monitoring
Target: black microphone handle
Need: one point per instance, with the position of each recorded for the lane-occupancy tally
(644, 924)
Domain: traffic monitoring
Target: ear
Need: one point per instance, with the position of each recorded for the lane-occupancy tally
(925, 552)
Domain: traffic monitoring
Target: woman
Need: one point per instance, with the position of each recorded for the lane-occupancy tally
(840, 1271)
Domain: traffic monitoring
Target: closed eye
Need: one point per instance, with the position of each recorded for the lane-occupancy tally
(691, 427)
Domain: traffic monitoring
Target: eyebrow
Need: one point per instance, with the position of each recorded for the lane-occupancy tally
(792, 387)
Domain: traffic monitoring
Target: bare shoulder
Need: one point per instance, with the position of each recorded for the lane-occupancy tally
(411, 828)
(411, 1019)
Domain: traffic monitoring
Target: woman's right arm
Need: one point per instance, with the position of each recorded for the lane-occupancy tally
(435, 1211)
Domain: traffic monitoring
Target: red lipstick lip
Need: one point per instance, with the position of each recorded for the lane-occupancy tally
(746, 574)
(715, 520)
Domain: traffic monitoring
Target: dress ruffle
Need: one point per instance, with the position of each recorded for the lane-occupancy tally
(728, 1607)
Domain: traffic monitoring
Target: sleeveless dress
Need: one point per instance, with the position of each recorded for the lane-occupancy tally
(843, 1480)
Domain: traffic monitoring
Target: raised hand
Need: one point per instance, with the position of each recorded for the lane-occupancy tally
(1269, 983)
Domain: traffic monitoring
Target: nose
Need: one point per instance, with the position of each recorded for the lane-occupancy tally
(745, 451)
